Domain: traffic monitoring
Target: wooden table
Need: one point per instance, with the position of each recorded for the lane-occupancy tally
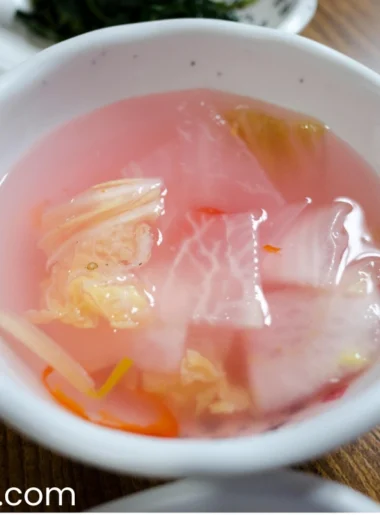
(350, 26)
(353, 27)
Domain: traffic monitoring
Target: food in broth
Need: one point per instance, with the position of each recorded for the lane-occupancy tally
(192, 264)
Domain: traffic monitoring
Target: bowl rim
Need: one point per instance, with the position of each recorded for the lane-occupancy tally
(284, 484)
(43, 421)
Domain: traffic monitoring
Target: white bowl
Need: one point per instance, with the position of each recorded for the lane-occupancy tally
(282, 491)
(82, 74)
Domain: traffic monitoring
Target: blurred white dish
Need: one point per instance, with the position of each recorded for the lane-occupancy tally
(287, 15)
(16, 47)
(278, 492)
(16, 44)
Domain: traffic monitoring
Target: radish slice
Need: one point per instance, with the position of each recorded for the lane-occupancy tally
(313, 249)
(208, 271)
(279, 224)
(316, 338)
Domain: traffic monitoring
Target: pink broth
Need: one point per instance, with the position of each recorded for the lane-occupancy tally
(235, 266)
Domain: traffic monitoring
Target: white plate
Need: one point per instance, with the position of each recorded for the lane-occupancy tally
(281, 491)
(16, 47)
(287, 15)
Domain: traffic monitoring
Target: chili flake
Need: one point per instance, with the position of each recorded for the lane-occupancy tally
(272, 249)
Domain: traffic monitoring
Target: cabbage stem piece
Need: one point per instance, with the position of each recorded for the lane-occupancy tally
(94, 244)
(50, 352)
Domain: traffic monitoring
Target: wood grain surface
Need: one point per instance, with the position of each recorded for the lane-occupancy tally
(352, 27)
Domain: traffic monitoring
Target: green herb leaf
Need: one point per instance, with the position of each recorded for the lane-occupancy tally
(58, 20)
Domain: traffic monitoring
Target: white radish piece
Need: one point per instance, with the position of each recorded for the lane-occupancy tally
(315, 338)
(312, 251)
(208, 272)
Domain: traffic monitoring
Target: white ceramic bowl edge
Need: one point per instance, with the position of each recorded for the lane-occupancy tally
(61, 82)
